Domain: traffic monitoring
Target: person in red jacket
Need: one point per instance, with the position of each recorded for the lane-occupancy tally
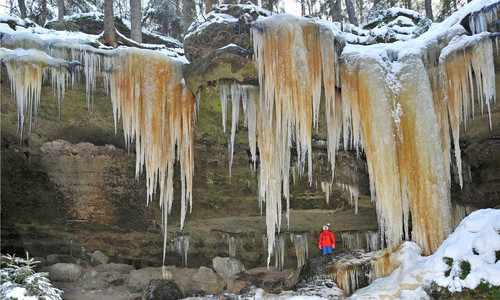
(326, 240)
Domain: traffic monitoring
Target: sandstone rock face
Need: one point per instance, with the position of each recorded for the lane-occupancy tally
(64, 272)
(219, 46)
(224, 25)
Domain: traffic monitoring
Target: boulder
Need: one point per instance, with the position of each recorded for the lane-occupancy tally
(139, 279)
(271, 281)
(160, 289)
(60, 258)
(206, 280)
(91, 281)
(99, 258)
(64, 272)
(114, 278)
(226, 266)
(113, 267)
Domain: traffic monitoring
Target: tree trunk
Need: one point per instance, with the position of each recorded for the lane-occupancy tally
(208, 6)
(188, 11)
(336, 10)
(44, 13)
(351, 12)
(109, 35)
(407, 4)
(302, 8)
(428, 9)
(269, 5)
(22, 8)
(135, 20)
(60, 16)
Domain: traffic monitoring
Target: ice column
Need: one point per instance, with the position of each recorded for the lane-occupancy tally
(233, 244)
(350, 239)
(301, 247)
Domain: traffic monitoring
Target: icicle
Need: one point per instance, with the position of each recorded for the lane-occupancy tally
(233, 244)
(479, 21)
(146, 89)
(158, 113)
(372, 241)
(457, 62)
(25, 69)
(180, 245)
(350, 240)
(236, 95)
(279, 252)
(288, 56)
(325, 187)
(301, 247)
(224, 93)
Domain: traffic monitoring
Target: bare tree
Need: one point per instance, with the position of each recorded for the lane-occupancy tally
(208, 6)
(351, 12)
(135, 20)
(22, 8)
(428, 9)
(44, 13)
(336, 10)
(109, 35)
(60, 16)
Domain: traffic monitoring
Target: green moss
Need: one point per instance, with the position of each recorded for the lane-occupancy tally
(64, 25)
(464, 269)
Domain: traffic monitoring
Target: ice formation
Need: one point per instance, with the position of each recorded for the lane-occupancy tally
(325, 187)
(279, 251)
(146, 90)
(350, 239)
(233, 244)
(25, 69)
(301, 249)
(392, 105)
(180, 245)
(293, 57)
(372, 240)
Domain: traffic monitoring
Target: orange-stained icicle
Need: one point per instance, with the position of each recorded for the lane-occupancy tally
(147, 90)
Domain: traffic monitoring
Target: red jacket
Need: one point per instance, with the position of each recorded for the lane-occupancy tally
(326, 239)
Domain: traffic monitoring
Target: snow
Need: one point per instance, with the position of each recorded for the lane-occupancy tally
(20, 294)
(476, 233)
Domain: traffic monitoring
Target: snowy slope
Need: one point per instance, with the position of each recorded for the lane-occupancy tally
(476, 241)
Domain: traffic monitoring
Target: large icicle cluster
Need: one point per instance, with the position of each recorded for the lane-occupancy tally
(468, 71)
(158, 113)
(392, 106)
(293, 56)
(25, 69)
(146, 89)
